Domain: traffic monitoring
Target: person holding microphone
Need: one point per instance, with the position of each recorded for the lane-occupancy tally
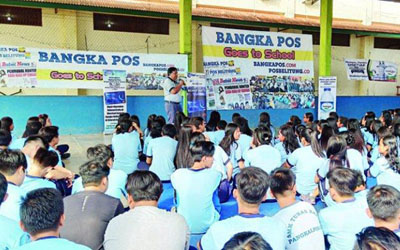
(172, 95)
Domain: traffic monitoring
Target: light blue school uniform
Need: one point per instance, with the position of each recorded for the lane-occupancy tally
(195, 194)
(342, 129)
(116, 184)
(375, 154)
(10, 207)
(385, 174)
(305, 163)
(126, 148)
(244, 143)
(368, 138)
(265, 157)
(362, 196)
(279, 146)
(32, 183)
(272, 134)
(235, 157)
(162, 150)
(59, 163)
(11, 235)
(342, 221)
(271, 229)
(52, 243)
(221, 160)
(215, 136)
(17, 144)
(146, 141)
(357, 161)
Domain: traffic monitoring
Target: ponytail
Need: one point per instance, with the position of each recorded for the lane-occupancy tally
(311, 137)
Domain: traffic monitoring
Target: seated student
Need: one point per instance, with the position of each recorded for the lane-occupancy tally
(231, 147)
(89, 211)
(42, 216)
(7, 123)
(11, 234)
(361, 190)
(288, 142)
(198, 124)
(308, 118)
(374, 153)
(45, 120)
(196, 189)
(126, 146)
(116, 178)
(145, 226)
(384, 207)
(42, 163)
(262, 154)
(247, 241)
(376, 238)
(245, 135)
(155, 131)
(252, 186)
(13, 166)
(342, 123)
(212, 123)
(5, 139)
(31, 146)
(301, 219)
(343, 220)
(32, 128)
(217, 135)
(161, 152)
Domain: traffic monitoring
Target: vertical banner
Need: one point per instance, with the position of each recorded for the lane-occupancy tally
(114, 98)
(326, 96)
(196, 95)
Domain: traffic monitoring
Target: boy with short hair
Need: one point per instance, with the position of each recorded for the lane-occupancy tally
(301, 219)
(342, 221)
(252, 186)
(5, 139)
(42, 216)
(384, 207)
(217, 136)
(342, 123)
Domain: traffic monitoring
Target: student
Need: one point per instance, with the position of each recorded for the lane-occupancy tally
(183, 159)
(308, 118)
(387, 168)
(32, 144)
(355, 152)
(180, 120)
(11, 234)
(13, 166)
(51, 135)
(136, 125)
(262, 154)
(212, 123)
(247, 241)
(155, 132)
(375, 126)
(126, 146)
(32, 128)
(305, 161)
(361, 190)
(386, 118)
(265, 120)
(61, 148)
(374, 153)
(288, 142)
(294, 120)
(301, 219)
(161, 153)
(89, 212)
(384, 207)
(5, 139)
(42, 163)
(197, 204)
(377, 238)
(42, 216)
(245, 135)
(217, 135)
(341, 221)
(342, 123)
(45, 120)
(7, 123)
(152, 228)
(252, 186)
(198, 124)
(147, 130)
(235, 116)
(116, 178)
(231, 147)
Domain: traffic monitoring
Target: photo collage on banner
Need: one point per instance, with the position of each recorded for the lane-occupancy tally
(257, 70)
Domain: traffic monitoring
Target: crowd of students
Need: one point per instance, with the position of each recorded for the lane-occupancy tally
(117, 200)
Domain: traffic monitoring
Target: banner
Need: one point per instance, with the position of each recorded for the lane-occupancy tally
(382, 71)
(114, 98)
(326, 96)
(248, 69)
(49, 68)
(357, 69)
(196, 95)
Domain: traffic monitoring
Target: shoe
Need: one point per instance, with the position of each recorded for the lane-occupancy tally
(65, 156)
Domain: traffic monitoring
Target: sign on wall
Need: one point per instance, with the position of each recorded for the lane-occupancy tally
(257, 70)
(357, 69)
(326, 96)
(50, 68)
(196, 95)
(382, 71)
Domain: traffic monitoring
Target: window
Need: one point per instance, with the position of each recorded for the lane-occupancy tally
(131, 24)
(240, 27)
(386, 43)
(20, 16)
(337, 39)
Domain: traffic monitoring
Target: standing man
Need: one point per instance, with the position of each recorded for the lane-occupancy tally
(171, 93)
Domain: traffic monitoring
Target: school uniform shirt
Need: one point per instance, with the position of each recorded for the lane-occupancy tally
(10, 207)
(342, 221)
(385, 174)
(126, 148)
(28, 163)
(356, 161)
(11, 235)
(271, 229)
(146, 141)
(362, 196)
(116, 184)
(215, 136)
(244, 143)
(302, 226)
(17, 143)
(279, 146)
(375, 154)
(58, 155)
(52, 243)
(304, 163)
(368, 138)
(162, 150)
(235, 157)
(33, 182)
(342, 129)
(194, 196)
(221, 159)
(265, 157)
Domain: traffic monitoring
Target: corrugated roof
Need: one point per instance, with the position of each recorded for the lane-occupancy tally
(228, 13)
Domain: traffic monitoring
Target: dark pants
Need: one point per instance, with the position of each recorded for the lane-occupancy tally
(171, 108)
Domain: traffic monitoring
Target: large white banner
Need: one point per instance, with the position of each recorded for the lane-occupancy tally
(257, 70)
(326, 96)
(50, 68)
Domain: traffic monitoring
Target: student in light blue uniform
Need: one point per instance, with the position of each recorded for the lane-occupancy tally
(252, 186)
(5, 139)
(387, 168)
(265, 120)
(231, 147)
(342, 221)
(196, 189)
(377, 238)
(245, 135)
(217, 136)
(155, 132)
(161, 153)
(342, 123)
(13, 166)
(288, 142)
(116, 178)
(32, 128)
(126, 146)
(43, 222)
(361, 190)
(11, 234)
(42, 163)
(262, 154)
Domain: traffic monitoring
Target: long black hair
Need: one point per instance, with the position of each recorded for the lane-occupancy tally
(183, 157)
(311, 137)
(215, 117)
(290, 143)
(229, 139)
(393, 155)
(262, 136)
